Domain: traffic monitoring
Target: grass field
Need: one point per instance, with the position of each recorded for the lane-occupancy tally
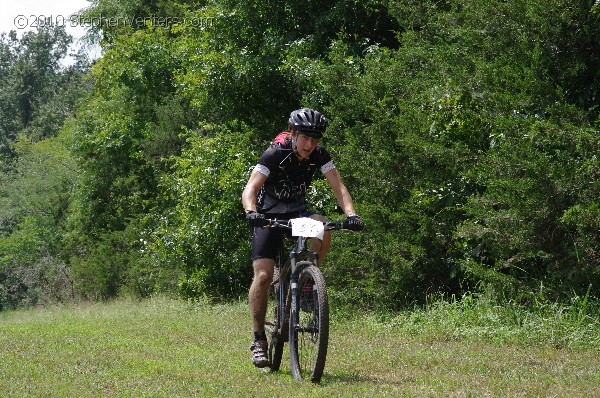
(164, 348)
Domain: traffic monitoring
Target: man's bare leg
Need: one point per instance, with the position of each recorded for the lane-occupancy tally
(258, 295)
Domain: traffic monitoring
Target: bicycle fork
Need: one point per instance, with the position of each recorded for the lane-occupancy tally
(295, 275)
(294, 279)
(296, 270)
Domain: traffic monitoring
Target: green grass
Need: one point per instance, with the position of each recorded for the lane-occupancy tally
(164, 348)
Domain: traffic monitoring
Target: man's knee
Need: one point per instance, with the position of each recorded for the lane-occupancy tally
(263, 270)
(321, 218)
(318, 217)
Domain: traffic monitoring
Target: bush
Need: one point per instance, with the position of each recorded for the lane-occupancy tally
(203, 232)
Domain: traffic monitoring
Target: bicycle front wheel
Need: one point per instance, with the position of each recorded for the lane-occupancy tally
(310, 335)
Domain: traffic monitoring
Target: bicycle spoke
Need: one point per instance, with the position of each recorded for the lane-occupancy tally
(311, 332)
(272, 325)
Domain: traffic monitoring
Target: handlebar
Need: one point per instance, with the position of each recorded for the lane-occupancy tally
(286, 224)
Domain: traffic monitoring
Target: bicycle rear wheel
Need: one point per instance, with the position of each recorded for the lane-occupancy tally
(273, 325)
(309, 338)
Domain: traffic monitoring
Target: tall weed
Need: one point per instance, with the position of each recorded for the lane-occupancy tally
(488, 317)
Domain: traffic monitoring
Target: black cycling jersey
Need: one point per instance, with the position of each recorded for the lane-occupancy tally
(288, 177)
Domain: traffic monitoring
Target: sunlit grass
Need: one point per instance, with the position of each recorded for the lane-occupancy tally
(164, 348)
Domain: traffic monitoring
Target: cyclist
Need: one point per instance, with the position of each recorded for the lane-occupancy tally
(277, 189)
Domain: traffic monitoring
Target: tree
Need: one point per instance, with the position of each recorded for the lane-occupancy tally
(37, 173)
(202, 234)
(9, 123)
(33, 222)
(462, 129)
(429, 119)
(36, 68)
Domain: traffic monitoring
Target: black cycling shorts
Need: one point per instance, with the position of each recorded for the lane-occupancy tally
(266, 241)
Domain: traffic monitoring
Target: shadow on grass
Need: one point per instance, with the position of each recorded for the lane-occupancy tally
(354, 378)
(330, 379)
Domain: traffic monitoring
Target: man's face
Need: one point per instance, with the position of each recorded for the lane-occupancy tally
(305, 145)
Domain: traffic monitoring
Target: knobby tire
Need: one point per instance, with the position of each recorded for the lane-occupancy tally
(308, 340)
(273, 325)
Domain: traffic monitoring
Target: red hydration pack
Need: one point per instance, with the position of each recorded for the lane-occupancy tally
(281, 137)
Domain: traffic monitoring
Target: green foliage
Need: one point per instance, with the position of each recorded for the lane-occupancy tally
(37, 172)
(33, 211)
(112, 20)
(204, 232)
(100, 273)
(527, 222)
(33, 93)
(245, 63)
(34, 69)
(485, 316)
(465, 131)
(423, 135)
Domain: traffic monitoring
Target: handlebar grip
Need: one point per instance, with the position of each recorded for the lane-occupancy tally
(332, 226)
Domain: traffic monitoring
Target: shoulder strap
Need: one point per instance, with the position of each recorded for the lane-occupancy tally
(284, 156)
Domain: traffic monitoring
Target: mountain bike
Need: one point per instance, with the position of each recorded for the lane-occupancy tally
(298, 310)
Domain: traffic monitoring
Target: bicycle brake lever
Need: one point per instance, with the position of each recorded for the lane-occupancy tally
(333, 226)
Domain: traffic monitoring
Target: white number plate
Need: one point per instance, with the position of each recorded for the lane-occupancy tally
(307, 227)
